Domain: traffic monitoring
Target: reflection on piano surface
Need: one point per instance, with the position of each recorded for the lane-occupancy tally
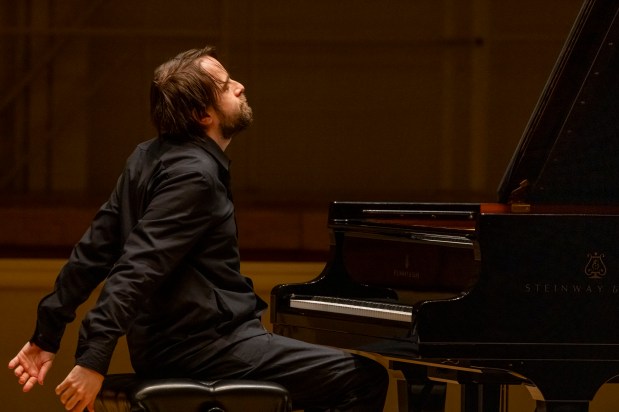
(524, 291)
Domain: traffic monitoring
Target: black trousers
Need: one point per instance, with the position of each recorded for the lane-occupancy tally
(318, 378)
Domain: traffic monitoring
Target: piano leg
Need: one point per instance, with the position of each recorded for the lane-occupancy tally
(556, 406)
(429, 396)
(417, 393)
(478, 397)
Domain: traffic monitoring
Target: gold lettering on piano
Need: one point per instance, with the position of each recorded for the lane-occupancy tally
(406, 272)
(570, 288)
(595, 268)
(403, 273)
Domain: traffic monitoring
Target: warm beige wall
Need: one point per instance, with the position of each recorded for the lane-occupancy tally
(23, 282)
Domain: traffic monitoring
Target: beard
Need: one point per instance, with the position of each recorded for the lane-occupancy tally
(231, 125)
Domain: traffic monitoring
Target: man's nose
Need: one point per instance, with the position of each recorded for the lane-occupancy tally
(239, 89)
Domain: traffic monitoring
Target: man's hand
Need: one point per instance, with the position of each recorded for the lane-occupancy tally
(79, 389)
(31, 365)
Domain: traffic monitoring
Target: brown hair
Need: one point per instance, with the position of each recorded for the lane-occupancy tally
(181, 92)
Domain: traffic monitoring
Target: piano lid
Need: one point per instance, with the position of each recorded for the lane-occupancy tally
(569, 152)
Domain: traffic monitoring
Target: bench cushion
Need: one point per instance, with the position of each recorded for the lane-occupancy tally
(128, 393)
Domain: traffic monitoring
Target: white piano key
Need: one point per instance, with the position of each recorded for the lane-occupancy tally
(400, 313)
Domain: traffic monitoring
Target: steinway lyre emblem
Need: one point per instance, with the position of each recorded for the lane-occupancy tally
(595, 268)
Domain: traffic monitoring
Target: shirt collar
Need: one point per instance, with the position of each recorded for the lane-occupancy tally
(213, 148)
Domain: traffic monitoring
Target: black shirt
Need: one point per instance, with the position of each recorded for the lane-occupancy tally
(166, 245)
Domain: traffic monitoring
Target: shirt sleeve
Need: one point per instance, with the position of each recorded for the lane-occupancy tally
(88, 265)
(177, 216)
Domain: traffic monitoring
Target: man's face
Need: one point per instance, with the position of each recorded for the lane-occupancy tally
(233, 113)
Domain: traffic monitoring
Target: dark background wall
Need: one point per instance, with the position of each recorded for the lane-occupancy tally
(400, 100)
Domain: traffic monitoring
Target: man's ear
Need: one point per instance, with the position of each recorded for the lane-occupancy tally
(206, 120)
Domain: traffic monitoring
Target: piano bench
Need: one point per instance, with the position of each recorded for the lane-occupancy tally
(128, 393)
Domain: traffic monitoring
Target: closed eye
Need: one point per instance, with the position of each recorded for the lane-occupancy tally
(226, 84)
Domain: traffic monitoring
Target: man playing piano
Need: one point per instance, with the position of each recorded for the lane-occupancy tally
(165, 243)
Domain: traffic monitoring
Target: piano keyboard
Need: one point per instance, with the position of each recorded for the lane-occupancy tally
(356, 307)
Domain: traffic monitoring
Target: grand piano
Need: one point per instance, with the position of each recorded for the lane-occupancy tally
(522, 291)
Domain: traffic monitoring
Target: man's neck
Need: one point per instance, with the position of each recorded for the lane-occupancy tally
(221, 141)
